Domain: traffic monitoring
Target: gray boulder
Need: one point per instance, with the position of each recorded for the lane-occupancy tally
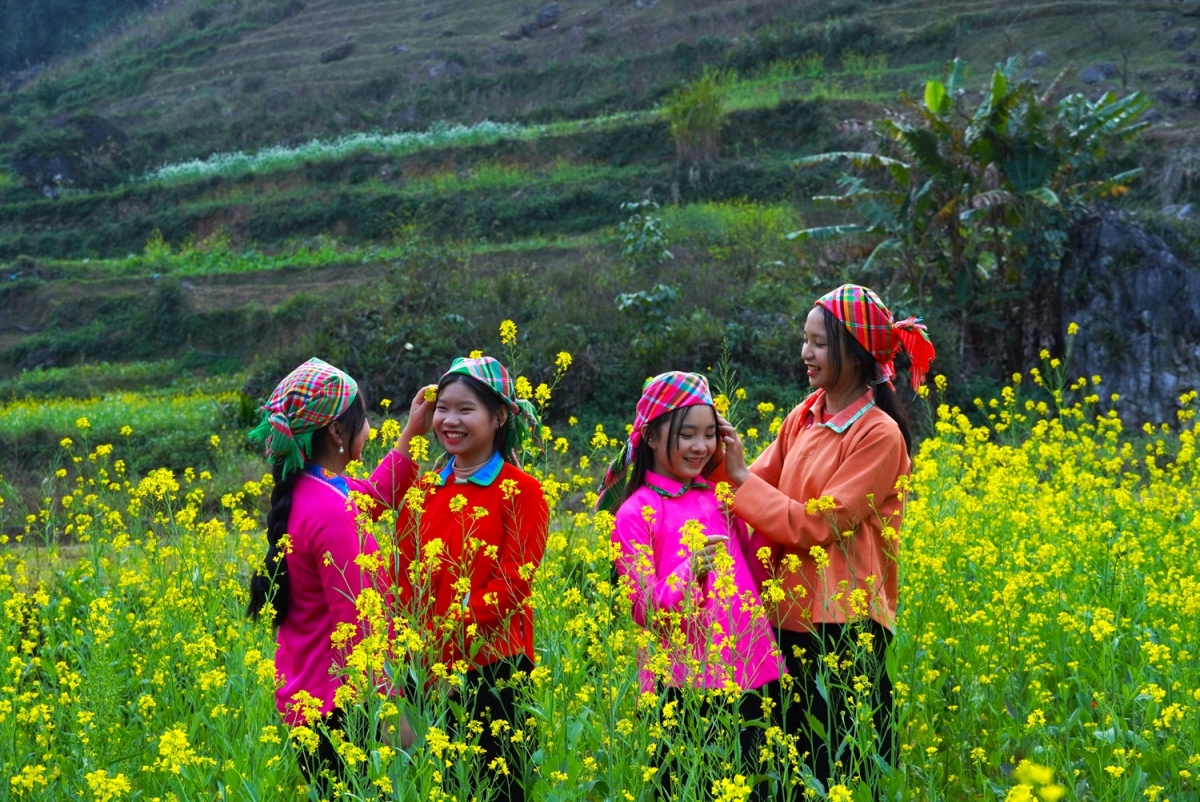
(339, 53)
(1039, 59)
(1099, 72)
(1182, 39)
(549, 16)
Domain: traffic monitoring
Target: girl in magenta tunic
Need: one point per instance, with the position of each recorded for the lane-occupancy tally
(313, 425)
(689, 563)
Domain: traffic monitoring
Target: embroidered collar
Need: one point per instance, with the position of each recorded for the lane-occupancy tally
(843, 420)
(336, 481)
(670, 488)
(482, 477)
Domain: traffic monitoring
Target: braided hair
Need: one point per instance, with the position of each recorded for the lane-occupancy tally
(270, 583)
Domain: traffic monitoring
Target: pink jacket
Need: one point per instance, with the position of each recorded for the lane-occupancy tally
(323, 593)
(649, 532)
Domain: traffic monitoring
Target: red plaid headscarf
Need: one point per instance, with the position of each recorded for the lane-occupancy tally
(664, 393)
(871, 324)
(311, 396)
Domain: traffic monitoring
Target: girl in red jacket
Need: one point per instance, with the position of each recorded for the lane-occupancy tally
(467, 551)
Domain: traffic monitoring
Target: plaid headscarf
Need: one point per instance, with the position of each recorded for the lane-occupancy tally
(490, 372)
(869, 321)
(313, 395)
(664, 393)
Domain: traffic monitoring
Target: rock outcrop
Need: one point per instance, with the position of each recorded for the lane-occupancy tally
(1138, 310)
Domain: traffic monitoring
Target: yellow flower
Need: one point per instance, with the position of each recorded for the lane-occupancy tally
(431, 393)
(1072, 329)
(82, 424)
(418, 449)
(524, 388)
(721, 404)
(736, 790)
(508, 332)
(562, 361)
(105, 788)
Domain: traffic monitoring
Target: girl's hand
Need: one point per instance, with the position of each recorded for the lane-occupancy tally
(735, 453)
(704, 560)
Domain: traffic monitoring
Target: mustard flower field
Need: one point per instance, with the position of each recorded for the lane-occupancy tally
(1047, 644)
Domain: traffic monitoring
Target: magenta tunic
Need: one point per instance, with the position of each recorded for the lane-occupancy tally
(649, 532)
(323, 591)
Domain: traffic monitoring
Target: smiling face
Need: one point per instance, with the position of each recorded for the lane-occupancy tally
(684, 457)
(815, 353)
(464, 424)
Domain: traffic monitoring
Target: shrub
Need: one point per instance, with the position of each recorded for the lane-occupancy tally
(696, 114)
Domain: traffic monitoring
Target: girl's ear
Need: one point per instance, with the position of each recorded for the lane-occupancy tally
(501, 417)
(649, 434)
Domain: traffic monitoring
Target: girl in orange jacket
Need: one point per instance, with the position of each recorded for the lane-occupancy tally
(829, 494)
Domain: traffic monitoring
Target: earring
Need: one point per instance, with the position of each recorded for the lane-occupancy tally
(341, 450)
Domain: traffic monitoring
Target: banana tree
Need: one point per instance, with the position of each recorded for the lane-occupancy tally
(967, 210)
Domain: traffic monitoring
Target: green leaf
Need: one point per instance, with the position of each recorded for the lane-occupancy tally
(819, 681)
(1046, 196)
(825, 233)
(861, 161)
(956, 75)
(936, 99)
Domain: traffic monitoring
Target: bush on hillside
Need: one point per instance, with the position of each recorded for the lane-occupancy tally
(696, 114)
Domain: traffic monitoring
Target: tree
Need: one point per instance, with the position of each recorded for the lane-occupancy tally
(974, 208)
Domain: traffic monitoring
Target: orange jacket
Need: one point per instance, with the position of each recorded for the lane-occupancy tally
(856, 458)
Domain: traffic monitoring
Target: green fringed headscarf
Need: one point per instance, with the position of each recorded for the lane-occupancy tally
(313, 395)
(491, 373)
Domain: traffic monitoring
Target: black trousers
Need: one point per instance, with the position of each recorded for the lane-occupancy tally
(750, 737)
(829, 702)
(487, 701)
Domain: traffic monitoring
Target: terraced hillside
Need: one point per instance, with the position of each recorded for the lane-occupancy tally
(189, 81)
(576, 88)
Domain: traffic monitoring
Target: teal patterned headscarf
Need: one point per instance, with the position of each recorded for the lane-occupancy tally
(311, 396)
(488, 371)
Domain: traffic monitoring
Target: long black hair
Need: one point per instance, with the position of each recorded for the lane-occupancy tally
(492, 401)
(270, 582)
(643, 455)
(847, 353)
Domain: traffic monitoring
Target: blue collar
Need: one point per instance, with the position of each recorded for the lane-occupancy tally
(336, 481)
(482, 477)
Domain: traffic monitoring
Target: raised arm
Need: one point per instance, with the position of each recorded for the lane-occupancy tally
(869, 470)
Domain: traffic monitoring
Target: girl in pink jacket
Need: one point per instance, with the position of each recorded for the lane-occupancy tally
(312, 426)
(691, 566)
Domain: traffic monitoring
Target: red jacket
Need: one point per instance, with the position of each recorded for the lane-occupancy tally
(479, 543)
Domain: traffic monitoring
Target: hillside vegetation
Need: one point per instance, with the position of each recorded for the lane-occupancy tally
(235, 184)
